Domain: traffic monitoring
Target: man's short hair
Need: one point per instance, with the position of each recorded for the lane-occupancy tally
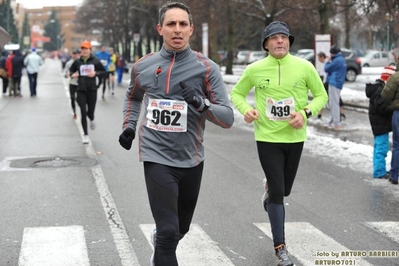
(170, 5)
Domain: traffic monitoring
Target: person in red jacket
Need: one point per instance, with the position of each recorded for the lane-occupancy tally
(10, 79)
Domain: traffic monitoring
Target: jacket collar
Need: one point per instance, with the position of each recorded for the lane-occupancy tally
(282, 60)
(84, 59)
(337, 55)
(170, 54)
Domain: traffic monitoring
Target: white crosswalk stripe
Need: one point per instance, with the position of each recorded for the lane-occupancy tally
(301, 244)
(389, 229)
(196, 248)
(49, 246)
(66, 245)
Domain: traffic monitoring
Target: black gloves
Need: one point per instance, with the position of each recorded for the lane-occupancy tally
(126, 138)
(190, 96)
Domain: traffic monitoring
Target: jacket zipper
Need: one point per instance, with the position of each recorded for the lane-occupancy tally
(169, 73)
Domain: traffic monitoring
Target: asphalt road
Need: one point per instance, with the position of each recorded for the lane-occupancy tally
(333, 207)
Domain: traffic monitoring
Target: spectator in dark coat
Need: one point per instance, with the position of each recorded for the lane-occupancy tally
(17, 66)
(390, 94)
(380, 116)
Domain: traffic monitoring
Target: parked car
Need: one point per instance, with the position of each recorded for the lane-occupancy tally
(353, 63)
(376, 58)
(242, 57)
(304, 53)
(255, 56)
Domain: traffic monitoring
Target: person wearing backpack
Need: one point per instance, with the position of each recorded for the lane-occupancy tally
(3, 59)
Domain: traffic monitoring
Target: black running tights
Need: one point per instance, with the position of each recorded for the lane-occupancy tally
(280, 163)
(72, 93)
(173, 194)
(87, 103)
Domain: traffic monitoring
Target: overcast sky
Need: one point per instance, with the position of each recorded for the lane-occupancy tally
(41, 3)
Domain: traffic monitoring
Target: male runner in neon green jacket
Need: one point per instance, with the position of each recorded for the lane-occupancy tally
(282, 83)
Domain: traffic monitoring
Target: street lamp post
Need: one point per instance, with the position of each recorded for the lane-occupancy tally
(388, 17)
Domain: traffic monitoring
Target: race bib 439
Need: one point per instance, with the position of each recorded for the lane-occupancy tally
(280, 110)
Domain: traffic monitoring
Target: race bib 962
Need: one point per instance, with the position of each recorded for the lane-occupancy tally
(167, 115)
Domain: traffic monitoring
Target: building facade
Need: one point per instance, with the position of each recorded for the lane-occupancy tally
(66, 16)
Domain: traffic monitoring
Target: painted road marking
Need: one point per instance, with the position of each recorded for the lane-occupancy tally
(196, 248)
(308, 244)
(49, 246)
(118, 231)
(115, 223)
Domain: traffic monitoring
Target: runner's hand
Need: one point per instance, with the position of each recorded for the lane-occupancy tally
(251, 115)
(190, 96)
(297, 120)
(126, 138)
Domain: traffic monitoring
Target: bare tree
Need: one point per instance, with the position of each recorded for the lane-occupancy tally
(238, 24)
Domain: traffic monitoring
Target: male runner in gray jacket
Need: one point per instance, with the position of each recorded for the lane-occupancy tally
(180, 89)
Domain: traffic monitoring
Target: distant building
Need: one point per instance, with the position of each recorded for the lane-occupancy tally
(66, 15)
(19, 13)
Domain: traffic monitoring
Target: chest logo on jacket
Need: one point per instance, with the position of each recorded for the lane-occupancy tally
(263, 84)
(201, 63)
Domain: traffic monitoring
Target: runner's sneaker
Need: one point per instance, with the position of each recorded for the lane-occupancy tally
(153, 238)
(92, 125)
(265, 196)
(86, 139)
(283, 259)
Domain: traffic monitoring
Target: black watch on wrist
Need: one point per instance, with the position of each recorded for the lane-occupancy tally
(206, 104)
(308, 112)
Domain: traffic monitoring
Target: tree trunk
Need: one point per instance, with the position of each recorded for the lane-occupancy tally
(347, 27)
(230, 39)
(324, 14)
